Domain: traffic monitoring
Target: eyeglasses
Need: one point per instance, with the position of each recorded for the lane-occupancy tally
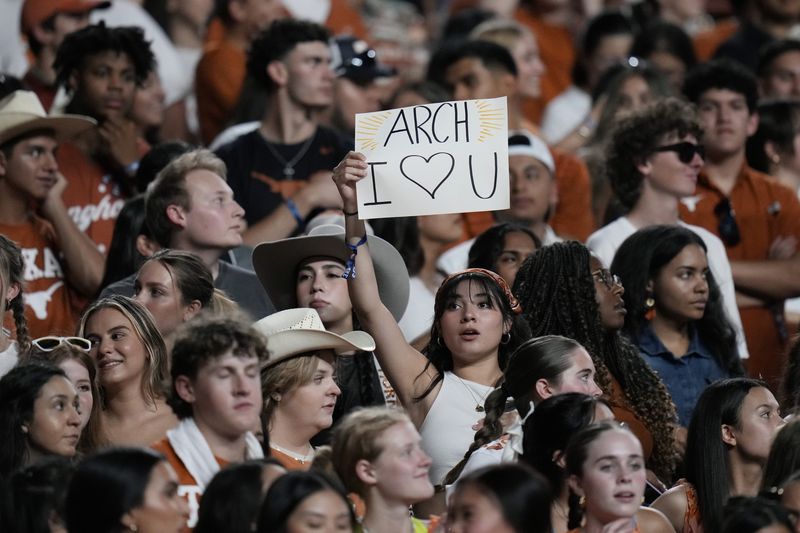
(728, 228)
(48, 344)
(685, 150)
(607, 278)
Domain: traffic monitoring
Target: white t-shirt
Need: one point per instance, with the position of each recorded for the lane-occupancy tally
(565, 113)
(418, 317)
(8, 359)
(605, 242)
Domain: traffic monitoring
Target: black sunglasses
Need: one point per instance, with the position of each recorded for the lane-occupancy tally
(728, 227)
(685, 150)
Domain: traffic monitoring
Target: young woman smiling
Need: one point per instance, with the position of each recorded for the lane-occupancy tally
(475, 329)
(133, 367)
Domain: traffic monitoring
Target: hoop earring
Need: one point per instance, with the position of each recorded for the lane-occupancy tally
(505, 338)
(649, 308)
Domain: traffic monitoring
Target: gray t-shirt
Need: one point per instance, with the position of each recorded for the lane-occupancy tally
(240, 285)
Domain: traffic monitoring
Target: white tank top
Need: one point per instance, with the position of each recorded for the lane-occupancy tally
(447, 430)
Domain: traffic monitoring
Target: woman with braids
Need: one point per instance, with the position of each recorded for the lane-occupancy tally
(11, 283)
(547, 432)
(730, 435)
(564, 290)
(540, 368)
(475, 328)
(607, 473)
(675, 312)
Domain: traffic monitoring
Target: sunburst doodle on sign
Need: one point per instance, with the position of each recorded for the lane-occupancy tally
(371, 126)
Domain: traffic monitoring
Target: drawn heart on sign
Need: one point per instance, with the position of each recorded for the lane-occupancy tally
(419, 169)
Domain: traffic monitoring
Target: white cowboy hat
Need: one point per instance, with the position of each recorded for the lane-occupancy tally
(299, 331)
(22, 112)
(276, 264)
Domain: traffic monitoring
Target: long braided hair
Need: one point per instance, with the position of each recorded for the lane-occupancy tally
(538, 358)
(11, 269)
(557, 293)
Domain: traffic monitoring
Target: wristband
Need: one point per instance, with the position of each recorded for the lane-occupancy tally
(295, 212)
(350, 266)
(353, 214)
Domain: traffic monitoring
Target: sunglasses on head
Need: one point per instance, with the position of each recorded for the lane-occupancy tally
(48, 344)
(728, 227)
(685, 150)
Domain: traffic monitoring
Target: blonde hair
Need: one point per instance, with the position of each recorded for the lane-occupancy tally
(156, 372)
(506, 33)
(285, 376)
(356, 437)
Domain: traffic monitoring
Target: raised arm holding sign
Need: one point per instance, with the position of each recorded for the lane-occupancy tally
(448, 157)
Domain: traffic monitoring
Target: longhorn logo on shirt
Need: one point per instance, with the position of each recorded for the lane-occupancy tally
(38, 300)
(108, 209)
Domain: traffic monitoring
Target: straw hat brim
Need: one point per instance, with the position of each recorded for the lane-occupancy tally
(276, 265)
(63, 126)
(290, 343)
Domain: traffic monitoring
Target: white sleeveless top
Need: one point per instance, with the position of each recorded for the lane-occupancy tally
(447, 430)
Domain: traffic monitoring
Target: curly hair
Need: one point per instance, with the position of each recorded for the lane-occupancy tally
(99, 38)
(439, 354)
(641, 258)
(637, 136)
(557, 293)
(11, 271)
(276, 42)
(205, 339)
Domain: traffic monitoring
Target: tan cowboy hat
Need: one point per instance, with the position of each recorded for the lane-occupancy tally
(22, 112)
(298, 331)
(276, 265)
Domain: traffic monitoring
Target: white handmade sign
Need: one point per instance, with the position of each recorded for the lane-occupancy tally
(450, 157)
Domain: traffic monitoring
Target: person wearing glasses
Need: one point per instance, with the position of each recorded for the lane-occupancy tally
(675, 315)
(71, 354)
(653, 161)
(757, 218)
(564, 290)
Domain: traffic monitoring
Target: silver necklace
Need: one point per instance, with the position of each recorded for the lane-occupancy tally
(288, 166)
(300, 458)
(478, 400)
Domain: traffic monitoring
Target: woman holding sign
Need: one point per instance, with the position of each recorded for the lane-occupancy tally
(476, 326)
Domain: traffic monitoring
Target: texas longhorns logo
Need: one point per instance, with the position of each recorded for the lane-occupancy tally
(38, 300)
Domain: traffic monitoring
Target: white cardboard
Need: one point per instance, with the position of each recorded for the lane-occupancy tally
(449, 157)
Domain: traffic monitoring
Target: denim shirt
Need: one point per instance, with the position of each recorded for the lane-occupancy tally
(685, 377)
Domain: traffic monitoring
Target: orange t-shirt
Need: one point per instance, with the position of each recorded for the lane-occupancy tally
(557, 50)
(188, 487)
(707, 42)
(624, 413)
(289, 462)
(218, 81)
(93, 197)
(765, 210)
(51, 306)
(344, 19)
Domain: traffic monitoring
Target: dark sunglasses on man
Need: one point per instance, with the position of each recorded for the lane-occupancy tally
(685, 150)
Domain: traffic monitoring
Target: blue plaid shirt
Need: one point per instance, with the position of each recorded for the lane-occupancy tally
(685, 377)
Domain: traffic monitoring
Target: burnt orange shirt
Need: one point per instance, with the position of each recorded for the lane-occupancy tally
(93, 197)
(765, 210)
(51, 306)
(289, 462)
(344, 19)
(707, 42)
(218, 81)
(187, 485)
(624, 413)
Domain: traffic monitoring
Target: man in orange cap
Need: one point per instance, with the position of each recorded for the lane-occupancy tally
(45, 23)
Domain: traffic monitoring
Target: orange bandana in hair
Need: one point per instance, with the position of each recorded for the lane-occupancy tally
(493, 276)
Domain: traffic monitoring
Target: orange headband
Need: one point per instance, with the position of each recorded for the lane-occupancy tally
(493, 276)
